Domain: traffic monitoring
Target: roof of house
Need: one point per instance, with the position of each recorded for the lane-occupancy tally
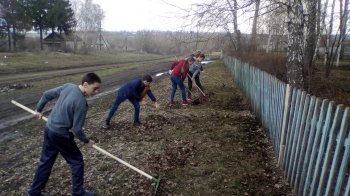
(54, 37)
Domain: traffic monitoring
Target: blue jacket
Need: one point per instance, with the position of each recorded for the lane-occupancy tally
(133, 89)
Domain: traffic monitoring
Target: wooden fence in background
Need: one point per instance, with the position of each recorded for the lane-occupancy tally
(310, 136)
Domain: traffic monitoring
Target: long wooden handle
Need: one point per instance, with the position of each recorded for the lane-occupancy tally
(123, 162)
(196, 85)
(94, 146)
(26, 108)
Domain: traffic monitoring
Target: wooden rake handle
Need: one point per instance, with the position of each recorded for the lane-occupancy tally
(94, 146)
(26, 109)
(196, 85)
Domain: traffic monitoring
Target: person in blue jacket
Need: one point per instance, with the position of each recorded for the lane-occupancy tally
(134, 91)
(66, 121)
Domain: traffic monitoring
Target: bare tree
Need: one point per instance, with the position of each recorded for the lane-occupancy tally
(295, 53)
(344, 17)
(333, 41)
(253, 43)
(88, 16)
(311, 36)
(274, 22)
(214, 16)
(237, 32)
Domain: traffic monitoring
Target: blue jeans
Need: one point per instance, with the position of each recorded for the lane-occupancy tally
(177, 81)
(54, 144)
(121, 98)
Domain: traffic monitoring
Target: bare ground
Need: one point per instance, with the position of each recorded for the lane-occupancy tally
(214, 147)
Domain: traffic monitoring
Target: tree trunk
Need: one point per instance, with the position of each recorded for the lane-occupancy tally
(295, 44)
(237, 31)
(9, 36)
(330, 47)
(310, 38)
(344, 20)
(321, 22)
(235, 23)
(254, 28)
(14, 38)
(268, 42)
(41, 38)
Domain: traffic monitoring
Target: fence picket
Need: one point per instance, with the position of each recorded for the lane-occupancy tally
(293, 108)
(315, 146)
(301, 130)
(345, 163)
(310, 138)
(303, 139)
(295, 132)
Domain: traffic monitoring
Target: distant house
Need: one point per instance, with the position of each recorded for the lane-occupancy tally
(55, 41)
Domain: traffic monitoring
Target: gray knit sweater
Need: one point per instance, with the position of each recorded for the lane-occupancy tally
(69, 111)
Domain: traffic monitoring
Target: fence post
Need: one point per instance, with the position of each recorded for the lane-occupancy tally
(284, 126)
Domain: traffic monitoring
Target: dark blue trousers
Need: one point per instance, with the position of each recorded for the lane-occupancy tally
(54, 144)
(121, 98)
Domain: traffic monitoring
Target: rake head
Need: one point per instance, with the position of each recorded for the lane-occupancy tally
(157, 181)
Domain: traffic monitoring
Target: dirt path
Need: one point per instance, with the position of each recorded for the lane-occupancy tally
(64, 71)
(216, 147)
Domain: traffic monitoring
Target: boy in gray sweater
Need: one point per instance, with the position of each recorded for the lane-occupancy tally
(65, 121)
(195, 70)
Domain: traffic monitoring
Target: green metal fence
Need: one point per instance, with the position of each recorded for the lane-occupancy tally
(310, 136)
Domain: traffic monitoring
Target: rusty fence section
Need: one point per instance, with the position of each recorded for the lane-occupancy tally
(310, 136)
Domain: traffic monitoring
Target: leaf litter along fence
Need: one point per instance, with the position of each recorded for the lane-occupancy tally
(310, 136)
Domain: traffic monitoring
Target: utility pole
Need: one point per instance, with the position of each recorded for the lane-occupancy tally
(100, 37)
(100, 30)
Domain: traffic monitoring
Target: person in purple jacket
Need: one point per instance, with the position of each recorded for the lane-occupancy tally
(134, 91)
(65, 121)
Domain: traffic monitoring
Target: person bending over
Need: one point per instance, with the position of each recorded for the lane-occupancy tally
(65, 122)
(195, 70)
(134, 91)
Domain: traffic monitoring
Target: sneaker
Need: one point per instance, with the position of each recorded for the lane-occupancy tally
(106, 125)
(184, 103)
(137, 124)
(171, 104)
(90, 194)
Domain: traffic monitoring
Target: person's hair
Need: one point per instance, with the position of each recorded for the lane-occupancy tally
(198, 53)
(202, 55)
(91, 78)
(148, 78)
(190, 59)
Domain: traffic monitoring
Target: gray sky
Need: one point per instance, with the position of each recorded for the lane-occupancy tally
(133, 15)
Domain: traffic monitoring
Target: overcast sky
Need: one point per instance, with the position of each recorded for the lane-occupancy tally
(133, 15)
